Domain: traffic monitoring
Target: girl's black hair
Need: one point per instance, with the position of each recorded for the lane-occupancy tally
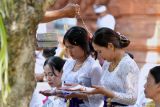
(48, 52)
(103, 36)
(130, 54)
(155, 72)
(78, 36)
(93, 52)
(55, 62)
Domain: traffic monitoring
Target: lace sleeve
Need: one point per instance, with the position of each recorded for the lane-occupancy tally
(129, 97)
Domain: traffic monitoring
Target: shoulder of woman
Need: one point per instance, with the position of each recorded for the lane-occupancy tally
(127, 60)
(128, 64)
(93, 63)
(69, 61)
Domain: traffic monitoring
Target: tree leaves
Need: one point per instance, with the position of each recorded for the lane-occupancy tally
(4, 84)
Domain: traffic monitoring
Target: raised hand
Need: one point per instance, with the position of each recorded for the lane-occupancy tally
(71, 10)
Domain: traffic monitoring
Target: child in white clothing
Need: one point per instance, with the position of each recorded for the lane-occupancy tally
(53, 72)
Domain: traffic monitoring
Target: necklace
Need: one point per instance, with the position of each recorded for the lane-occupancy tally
(77, 66)
(113, 65)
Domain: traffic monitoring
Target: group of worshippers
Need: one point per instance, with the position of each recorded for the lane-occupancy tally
(79, 80)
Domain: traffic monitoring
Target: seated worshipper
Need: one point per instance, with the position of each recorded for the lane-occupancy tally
(53, 73)
(37, 98)
(152, 86)
(81, 68)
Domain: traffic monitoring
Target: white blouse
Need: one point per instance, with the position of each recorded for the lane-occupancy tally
(89, 74)
(54, 101)
(122, 81)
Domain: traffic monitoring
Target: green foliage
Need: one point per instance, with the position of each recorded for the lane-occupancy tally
(5, 7)
(3, 62)
(4, 83)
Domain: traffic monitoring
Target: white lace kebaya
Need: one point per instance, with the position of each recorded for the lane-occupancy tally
(122, 81)
(54, 101)
(89, 74)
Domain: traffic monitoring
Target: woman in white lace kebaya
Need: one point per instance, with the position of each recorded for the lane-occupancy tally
(81, 68)
(120, 72)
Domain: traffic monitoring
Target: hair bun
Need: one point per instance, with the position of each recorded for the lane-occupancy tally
(124, 41)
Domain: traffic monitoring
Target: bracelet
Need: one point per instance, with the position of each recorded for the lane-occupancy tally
(108, 102)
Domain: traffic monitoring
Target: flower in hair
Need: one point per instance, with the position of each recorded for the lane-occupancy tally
(122, 37)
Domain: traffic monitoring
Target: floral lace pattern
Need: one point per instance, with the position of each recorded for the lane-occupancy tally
(55, 102)
(123, 80)
(89, 74)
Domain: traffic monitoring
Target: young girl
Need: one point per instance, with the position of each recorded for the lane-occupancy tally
(81, 68)
(53, 72)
